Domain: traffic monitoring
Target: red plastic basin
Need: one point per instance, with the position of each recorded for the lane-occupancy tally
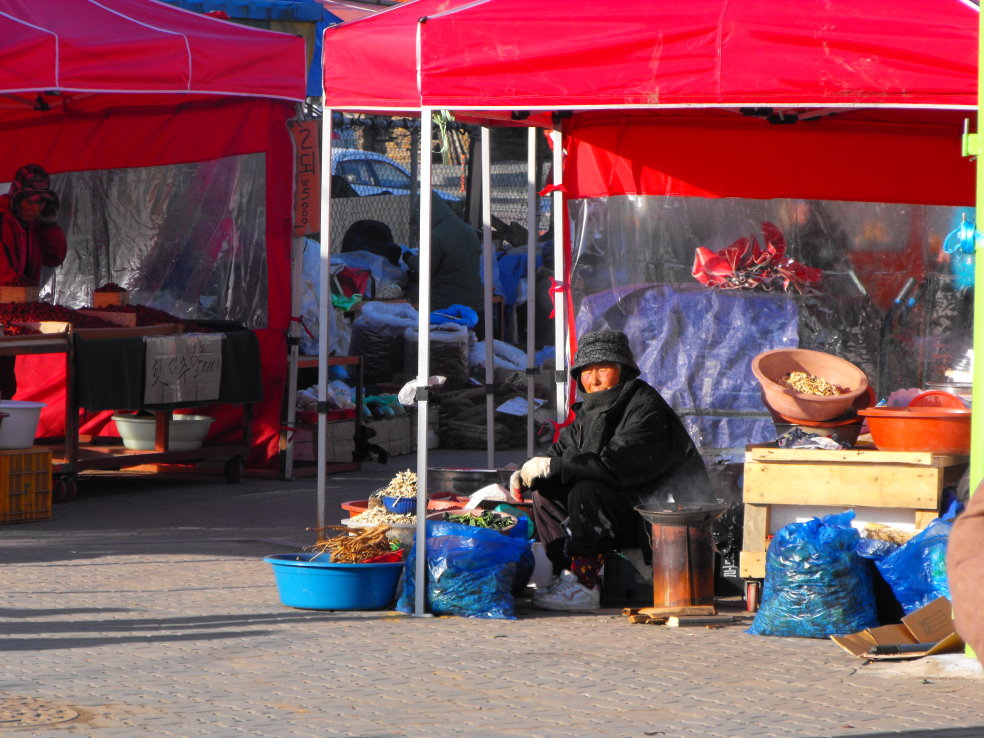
(940, 430)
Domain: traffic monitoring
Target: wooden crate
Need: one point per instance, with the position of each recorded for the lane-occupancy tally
(102, 299)
(836, 480)
(19, 293)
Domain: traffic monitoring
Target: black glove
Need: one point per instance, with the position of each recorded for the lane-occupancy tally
(50, 212)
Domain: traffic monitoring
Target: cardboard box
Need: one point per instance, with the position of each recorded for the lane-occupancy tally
(927, 631)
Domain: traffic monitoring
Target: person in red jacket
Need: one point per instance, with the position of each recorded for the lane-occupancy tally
(30, 239)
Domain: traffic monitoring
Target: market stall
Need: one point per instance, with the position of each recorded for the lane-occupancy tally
(870, 109)
(166, 136)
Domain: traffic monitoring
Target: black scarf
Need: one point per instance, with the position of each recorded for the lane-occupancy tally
(594, 415)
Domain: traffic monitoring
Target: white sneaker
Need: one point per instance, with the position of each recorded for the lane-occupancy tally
(568, 595)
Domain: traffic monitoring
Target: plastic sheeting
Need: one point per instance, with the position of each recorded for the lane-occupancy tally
(189, 239)
(633, 257)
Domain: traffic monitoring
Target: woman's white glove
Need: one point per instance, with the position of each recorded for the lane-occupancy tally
(536, 468)
(515, 487)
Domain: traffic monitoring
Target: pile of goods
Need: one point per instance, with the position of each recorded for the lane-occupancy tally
(809, 384)
(19, 281)
(147, 316)
(369, 546)
(487, 519)
(110, 287)
(403, 485)
(14, 314)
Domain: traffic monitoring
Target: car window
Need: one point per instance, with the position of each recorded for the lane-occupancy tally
(389, 176)
(355, 171)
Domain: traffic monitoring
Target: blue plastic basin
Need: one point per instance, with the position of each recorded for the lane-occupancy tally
(322, 585)
(400, 505)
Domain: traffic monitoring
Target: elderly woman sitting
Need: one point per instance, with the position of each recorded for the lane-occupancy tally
(625, 447)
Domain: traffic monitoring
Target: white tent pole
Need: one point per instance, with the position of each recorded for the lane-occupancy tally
(423, 356)
(324, 305)
(487, 285)
(560, 298)
(532, 229)
(297, 247)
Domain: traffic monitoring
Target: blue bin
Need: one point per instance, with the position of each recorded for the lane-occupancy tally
(400, 505)
(322, 585)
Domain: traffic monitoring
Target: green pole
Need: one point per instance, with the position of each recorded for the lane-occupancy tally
(977, 393)
(977, 419)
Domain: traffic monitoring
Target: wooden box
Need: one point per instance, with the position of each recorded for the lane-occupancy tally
(11, 293)
(47, 326)
(819, 482)
(102, 299)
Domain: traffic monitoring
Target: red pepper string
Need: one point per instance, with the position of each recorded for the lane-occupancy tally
(307, 330)
(552, 188)
(555, 287)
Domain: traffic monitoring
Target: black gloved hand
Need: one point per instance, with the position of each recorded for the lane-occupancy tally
(50, 212)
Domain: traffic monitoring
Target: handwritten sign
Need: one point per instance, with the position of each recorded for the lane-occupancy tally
(182, 368)
(307, 176)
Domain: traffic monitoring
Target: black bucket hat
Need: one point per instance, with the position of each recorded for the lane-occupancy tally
(602, 347)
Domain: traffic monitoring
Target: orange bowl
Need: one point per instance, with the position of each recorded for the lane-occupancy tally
(770, 365)
(940, 430)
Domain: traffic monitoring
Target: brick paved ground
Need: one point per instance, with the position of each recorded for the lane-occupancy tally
(143, 608)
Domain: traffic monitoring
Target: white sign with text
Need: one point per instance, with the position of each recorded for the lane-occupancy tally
(182, 368)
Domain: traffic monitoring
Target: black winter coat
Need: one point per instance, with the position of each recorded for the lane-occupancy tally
(645, 450)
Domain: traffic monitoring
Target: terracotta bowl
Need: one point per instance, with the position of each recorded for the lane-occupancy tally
(770, 365)
(940, 430)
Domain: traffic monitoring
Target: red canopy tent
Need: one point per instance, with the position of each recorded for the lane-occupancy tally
(116, 84)
(688, 98)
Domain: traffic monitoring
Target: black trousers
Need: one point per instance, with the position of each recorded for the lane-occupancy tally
(585, 519)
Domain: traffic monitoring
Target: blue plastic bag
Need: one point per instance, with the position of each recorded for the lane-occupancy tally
(816, 585)
(916, 570)
(460, 314)
(470, 571)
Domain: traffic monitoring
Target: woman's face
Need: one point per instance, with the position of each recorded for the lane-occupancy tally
(30, 210)
(600, 377)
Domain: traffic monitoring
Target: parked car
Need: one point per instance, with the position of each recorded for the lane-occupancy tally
(370, 173)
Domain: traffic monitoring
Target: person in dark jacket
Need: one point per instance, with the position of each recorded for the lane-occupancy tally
(625, 447)
(30, 239)
(456, 254)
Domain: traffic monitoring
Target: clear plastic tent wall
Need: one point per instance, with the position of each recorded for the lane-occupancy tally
(891, 298)
(188, 239)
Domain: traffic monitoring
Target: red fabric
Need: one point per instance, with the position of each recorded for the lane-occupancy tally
(127, 46)
(718, 154)
(719, 53)
(26, 247)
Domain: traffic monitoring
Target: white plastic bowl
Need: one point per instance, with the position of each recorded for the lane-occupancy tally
(185, 432)
(20, 426)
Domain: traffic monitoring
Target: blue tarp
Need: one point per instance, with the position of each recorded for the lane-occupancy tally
(696, 346)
